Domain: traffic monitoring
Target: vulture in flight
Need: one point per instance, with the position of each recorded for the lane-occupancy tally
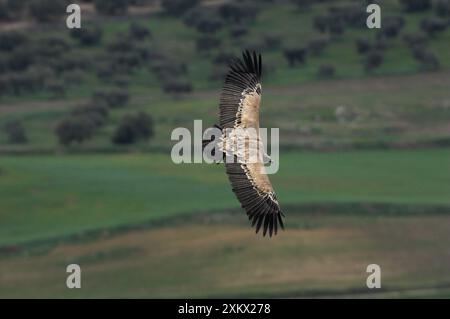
(239, 110)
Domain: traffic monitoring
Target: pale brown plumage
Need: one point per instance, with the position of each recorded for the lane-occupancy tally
(239, 109)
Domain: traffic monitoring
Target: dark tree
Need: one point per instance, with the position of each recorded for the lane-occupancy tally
(415, 5)
(442, 8)
(116, 97)
(87, 36)
(15, 132)
(239, 11)
(363, 45)
(178, 7)
(74, 129)
(392, 26)
(373, 60)
(111, 7)
(207, 43)
(223, 58)
(418, 39)
(302, 4)
(431, 26)
(176, 86)
(11, 40)
(321, 23)
(428, 59)
(47, 10)
(139, 31)
(238, 31)
(133, 128)
(97, 113)
(295, 55)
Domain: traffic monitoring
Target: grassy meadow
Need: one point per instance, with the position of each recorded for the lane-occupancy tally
(369, 186)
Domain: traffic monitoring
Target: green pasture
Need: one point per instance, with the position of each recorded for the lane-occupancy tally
(47, 196)
(318, 255)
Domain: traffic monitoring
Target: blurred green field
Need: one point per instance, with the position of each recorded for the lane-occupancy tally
(48, 196)
(319, 255)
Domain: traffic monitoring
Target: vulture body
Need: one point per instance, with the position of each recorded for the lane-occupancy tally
(239, 112)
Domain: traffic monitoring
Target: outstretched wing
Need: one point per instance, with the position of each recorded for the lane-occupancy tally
(239, 108)
(241, 93)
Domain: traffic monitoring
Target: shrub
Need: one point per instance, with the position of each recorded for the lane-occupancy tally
(433, 25)
(302, 4)
(11, 40)
(238, 30)
(233, 12)
(207, 43)
(427, 58)
(178, 7)
(15, 132)
(74, 129)
(165, 68)
(392, 26)
(373, 60)
(47, 10)
(87, 36)
(415, 39)
(50, 48)
(20, 60)
(176, 86)
(139, 31)
(111, 7)
(442, 8)
(112, 98)
(133, 128)
(223, 58)
(295, 55)
(95, 112)
(415, 5)
(363, 45)
(336, 26)
(320, 23)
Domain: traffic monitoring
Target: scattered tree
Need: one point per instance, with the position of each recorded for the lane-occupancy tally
(133, 128)
(15, 132)
(47, 10)
(415, 5)
(295, 55)
(111, 7)
(178, 7)
(87, 36)
(373, 60)
(431, 26)
(74, 129)
(115, 97)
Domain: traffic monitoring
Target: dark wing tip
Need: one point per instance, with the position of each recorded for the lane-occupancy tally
(268, 218)
(251, 62)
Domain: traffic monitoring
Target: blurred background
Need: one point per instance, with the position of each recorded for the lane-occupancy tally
(86, 175)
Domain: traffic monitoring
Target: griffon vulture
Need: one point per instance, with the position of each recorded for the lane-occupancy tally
(239, 111)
